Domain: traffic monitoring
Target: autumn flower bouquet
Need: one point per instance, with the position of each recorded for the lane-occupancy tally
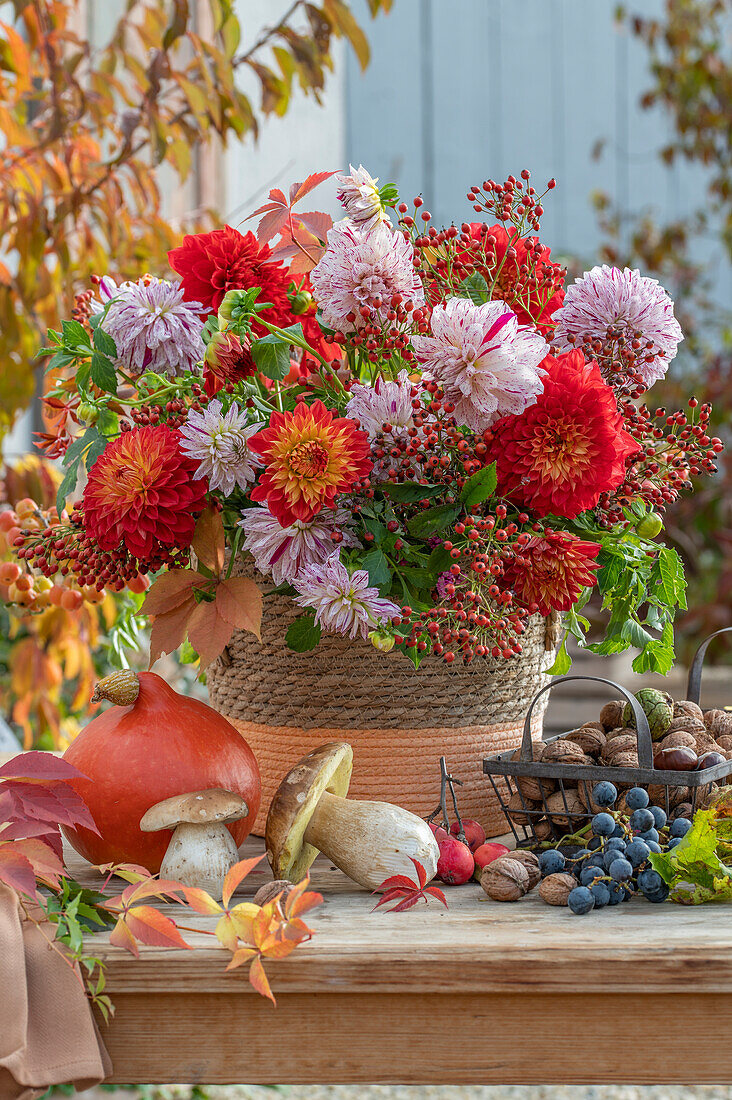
(420, 434)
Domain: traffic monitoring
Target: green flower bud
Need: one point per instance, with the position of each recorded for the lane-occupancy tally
(383, 642)
(301, 302)
(650, 526)
(235, 303)
(88, 413)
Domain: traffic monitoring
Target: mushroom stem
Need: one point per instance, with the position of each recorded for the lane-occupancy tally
(370, 841)
(200, 855)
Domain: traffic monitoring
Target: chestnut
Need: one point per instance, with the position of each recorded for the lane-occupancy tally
(679, 759)
(710, 760)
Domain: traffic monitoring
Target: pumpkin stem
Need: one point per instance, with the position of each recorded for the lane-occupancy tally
(120, 688)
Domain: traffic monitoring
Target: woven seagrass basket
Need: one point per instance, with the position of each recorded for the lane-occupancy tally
(399, 720)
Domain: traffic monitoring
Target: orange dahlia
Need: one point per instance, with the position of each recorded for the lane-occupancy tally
(141, 493)
(563, 452)
(310, 456)
(549, 573)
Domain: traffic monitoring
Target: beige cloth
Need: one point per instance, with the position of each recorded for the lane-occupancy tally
(48, 1035)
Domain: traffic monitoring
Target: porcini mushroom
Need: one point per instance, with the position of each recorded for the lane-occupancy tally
(368, 841)
(202, 849)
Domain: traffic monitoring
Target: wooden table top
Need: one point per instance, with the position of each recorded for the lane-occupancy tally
(484, 992)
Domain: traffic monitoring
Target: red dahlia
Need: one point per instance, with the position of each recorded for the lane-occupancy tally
(528, 281)
(141, 494)
(549, 573)
(209, 264)
(560, 454)
(310, 456)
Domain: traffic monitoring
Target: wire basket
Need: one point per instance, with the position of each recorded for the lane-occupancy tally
(535, 821)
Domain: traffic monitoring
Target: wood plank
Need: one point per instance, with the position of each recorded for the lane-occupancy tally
(410, 1038)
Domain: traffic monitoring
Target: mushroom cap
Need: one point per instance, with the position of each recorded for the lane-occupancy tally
(327, 768)
(194, 808)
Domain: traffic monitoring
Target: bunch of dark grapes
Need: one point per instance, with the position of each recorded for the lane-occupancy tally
(615, 866)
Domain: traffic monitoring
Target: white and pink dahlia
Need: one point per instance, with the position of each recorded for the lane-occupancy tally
(486, 363)
(607, 296)
(359, 196)
(343, 602)
(219, 441)
(152, 325)
(384, 403)
(363, 268)
(283, 552)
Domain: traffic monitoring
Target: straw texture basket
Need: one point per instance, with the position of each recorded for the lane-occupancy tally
(399, 720)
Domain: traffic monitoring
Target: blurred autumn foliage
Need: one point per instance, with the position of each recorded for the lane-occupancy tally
(84, 128)
(691, 80)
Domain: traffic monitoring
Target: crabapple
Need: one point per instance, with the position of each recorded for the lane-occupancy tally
(486, 853)
(456, 864)
(474, 833)
(71, 600)
(9, 572)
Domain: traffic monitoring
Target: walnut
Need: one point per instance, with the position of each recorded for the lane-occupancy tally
(687, 723)
(589, 738)
(531, 863)
(678, 739)
(531, 787)
(684, 809)
(537, 751)
(561, 751)
(725, 741)
(555, 889)
(542, 829)
(505, 879)
(625, 760)
(621, 731)
(518, 807)
(686, 707)
(616, 745)
(563, 809)
(676, 795)
(718, 722)
(270, 890)
(705, 743)
(705, 797)
(611, 714)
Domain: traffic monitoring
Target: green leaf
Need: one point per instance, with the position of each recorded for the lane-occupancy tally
(668, 571)
(104, 343)
(377, 567)
(67, 486)
(74, 334)
(303, 634)
(272, 356)
(474, 287)
(433, 520)
(562, 662)
(423, 578)
(658, 655)
(439, 561)
(103, 373)
(374, 527)
(60, 360)
(408, 492)
(480, 486)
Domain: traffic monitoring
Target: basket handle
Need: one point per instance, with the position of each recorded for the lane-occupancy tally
(693, 690)
(643, 730)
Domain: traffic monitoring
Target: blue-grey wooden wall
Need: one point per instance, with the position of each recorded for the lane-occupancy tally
(460, 90)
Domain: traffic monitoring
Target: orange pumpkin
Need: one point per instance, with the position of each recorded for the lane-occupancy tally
(158, 745)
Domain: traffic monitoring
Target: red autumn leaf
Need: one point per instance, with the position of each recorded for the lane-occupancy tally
(303, 904)
(301, 264)
(25, 830)
(208, 632)
(120, 936)
(57, 804)
(209, 541)
(236, 875)
(299, 190)
(401, 886)
(168, 630)
(153, 928)
(16, 871)
(239, 602)
(259, 980)
(169, 591)
(45, 862)
(41, 767)
(272, 223)
(317, 223)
